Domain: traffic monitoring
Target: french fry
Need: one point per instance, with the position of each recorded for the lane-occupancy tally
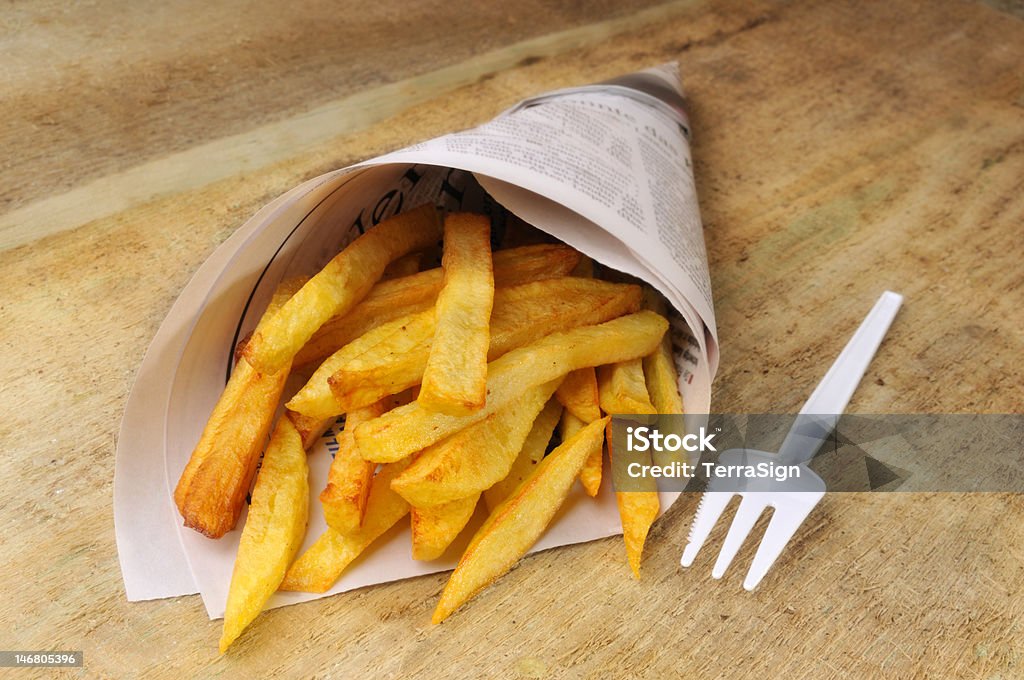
(349, 478)
(530, 454)
(659, 367)
(401, 344)
(410, 428)
(578, 394)
(394, 356)
(455, 377)
(310, 429)
(593, 469)
(621, 388)
(389, 300)
(213, 486)
(474, 459)
(339, 286)
(273, 533)
(434, 528)
(516, 524)
(319, 567)
(637, 512)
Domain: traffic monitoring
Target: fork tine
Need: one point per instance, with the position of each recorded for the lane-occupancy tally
(712, 505)
(783, 525)
(746, 515)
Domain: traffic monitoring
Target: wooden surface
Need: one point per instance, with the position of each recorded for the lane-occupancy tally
(840, 149)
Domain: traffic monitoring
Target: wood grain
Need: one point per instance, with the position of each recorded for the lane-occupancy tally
(841, 149)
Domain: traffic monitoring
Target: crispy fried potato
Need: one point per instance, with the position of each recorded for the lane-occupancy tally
(389, 300)
(475, 458)
(659, 367)
(274, 530)
(455, 377)
(310, 429)
(401, 345)
(593, 469)
(516, 524)
(349, 478)
(637, 512)
(621, 388)
(410, 428)
(340, 285)
(434, 528)
(578, 394)
(212, 488)
(393, 357)
(319, 567)
(530, 454)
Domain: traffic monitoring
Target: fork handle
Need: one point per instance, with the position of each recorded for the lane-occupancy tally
(820, 414)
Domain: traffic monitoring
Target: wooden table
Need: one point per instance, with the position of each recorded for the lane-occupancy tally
(840, 149)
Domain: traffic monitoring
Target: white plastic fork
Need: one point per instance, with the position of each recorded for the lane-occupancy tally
(793, 499)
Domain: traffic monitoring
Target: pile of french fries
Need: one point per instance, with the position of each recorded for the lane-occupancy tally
(453, 381)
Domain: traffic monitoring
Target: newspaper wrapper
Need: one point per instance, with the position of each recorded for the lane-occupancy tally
(605, 168)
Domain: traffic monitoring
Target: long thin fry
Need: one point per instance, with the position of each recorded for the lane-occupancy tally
(273, 533)
(455, 377)
(213, 486)
(593, 469)
(659, 368)
(340, 285)
(516, 524)
(533, 451)
(637, 512)
(411, 428)
(349, 478)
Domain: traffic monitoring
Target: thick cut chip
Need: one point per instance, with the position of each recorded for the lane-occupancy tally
(274, 530)
(434, 528)
(398, 356)
(411, 428)
(212, 488)
(534, 448)
(389, 300)
(400, 345)
(340, 285)
(578, 394)
(349, 479)
(319, 567)
(622, 389)
(659, 367)
(590, 475)
(455, 378)
(475, 458)
(637, 512)
(516, 524)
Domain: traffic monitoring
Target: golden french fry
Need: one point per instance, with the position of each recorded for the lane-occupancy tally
(455, 377)
(213, 486)
(348, 481)
(410, 428)
(274, 530)
(621, 388)
(340, 285)
(389, 300)
(475, 458)
(593, 469)
(309, 428)
(393, 356)
(516, 524)
(434, 528)
(659, 367)
(401, 345)
(637, 512)
(578, 394)
(532, 452)
(319, 567)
